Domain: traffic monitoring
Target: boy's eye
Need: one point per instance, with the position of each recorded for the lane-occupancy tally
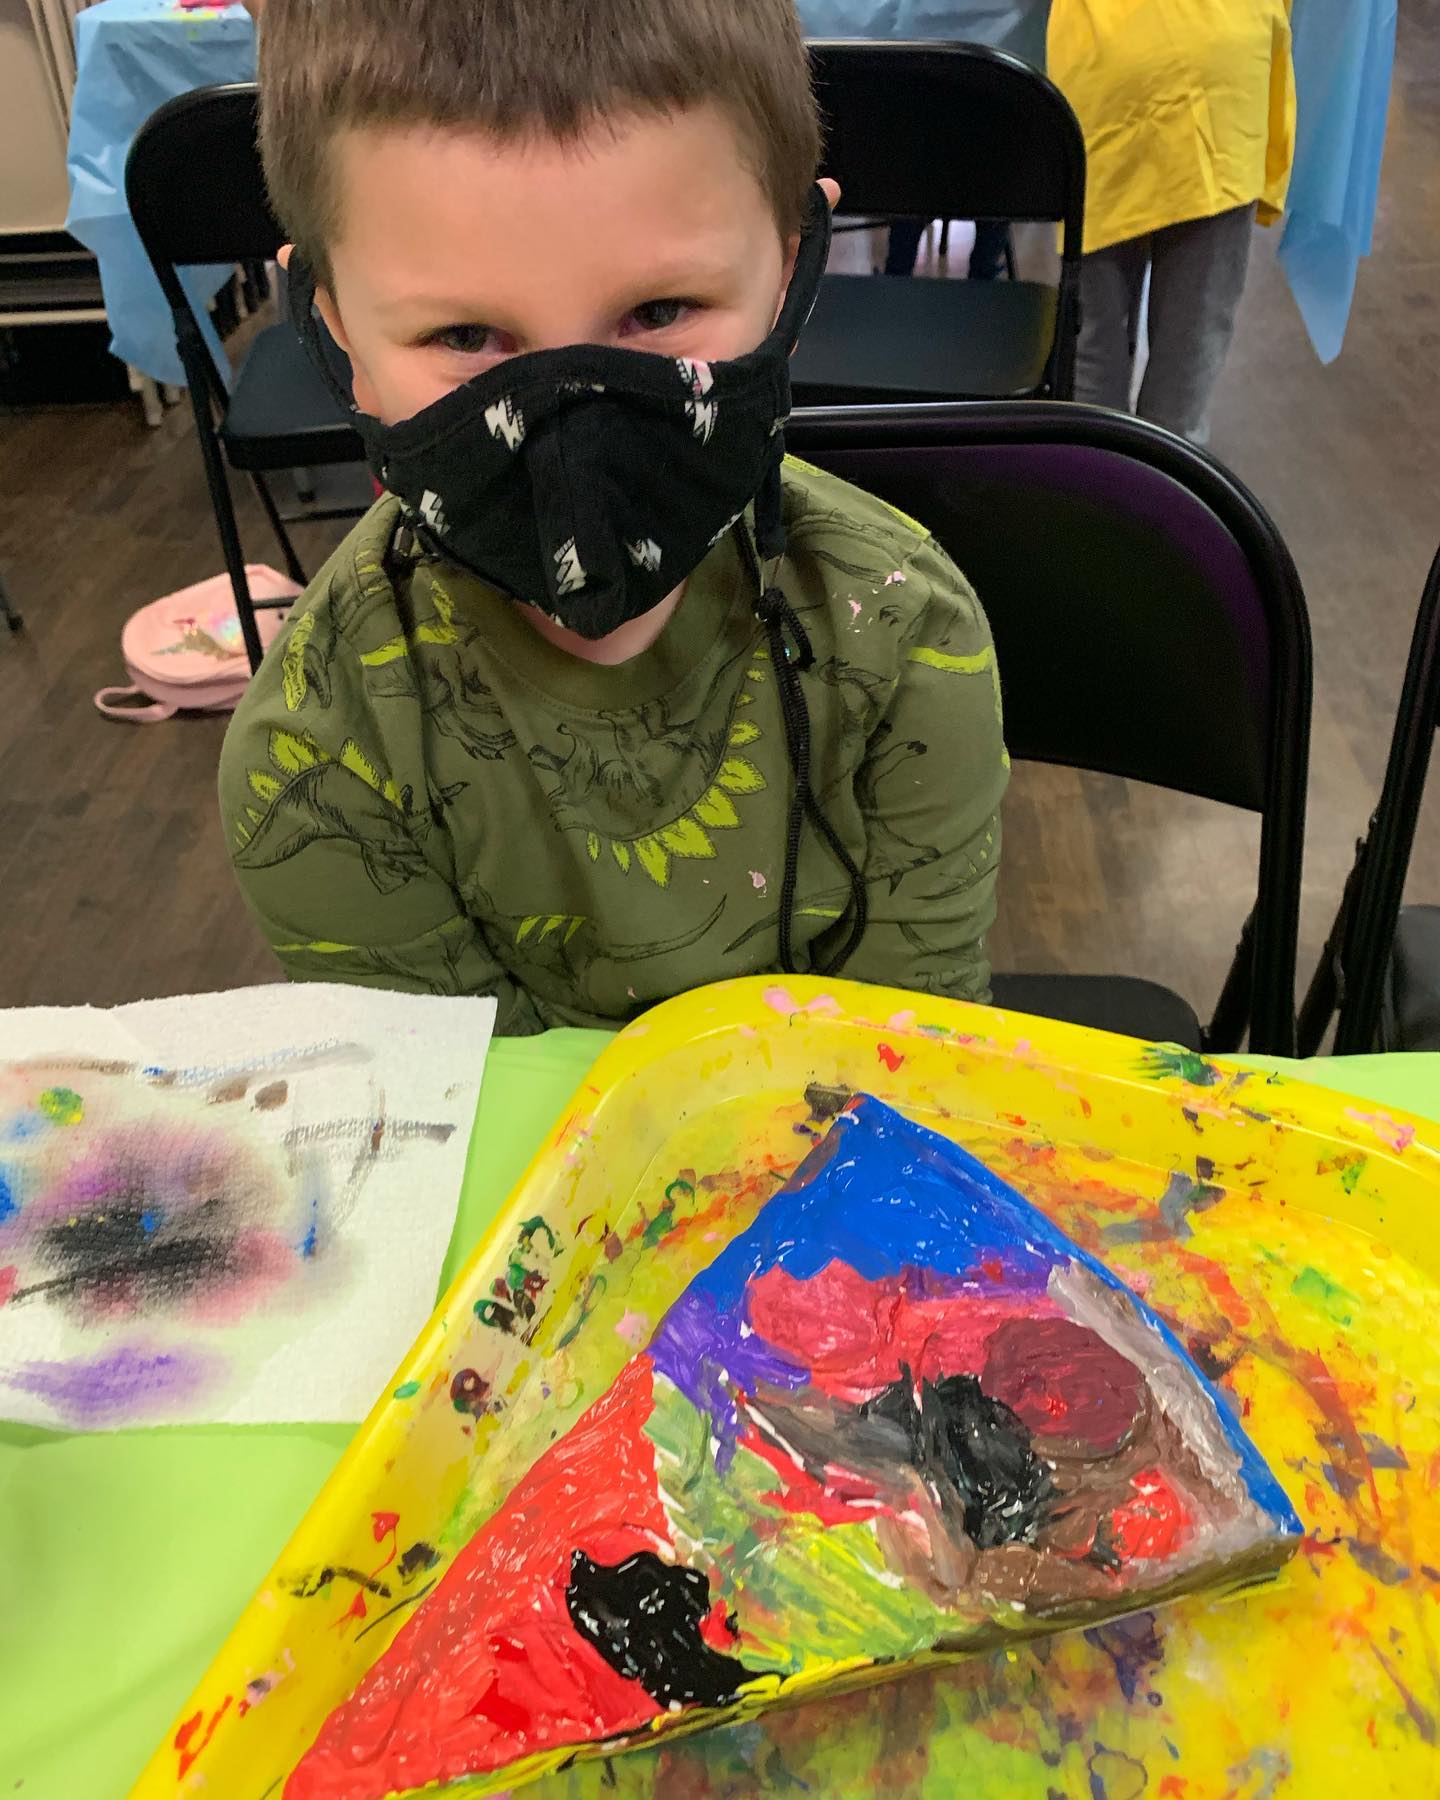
(468, 340)
(658, 315)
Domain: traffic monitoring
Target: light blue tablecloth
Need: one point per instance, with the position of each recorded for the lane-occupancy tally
(1015, 25)
(1344, 53)
(132, 56)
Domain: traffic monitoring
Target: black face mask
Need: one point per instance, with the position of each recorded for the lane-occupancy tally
(590, 481)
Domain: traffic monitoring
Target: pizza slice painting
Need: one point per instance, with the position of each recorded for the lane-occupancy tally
(902, 1415)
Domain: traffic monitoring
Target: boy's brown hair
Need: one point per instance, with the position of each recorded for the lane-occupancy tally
(513, 67)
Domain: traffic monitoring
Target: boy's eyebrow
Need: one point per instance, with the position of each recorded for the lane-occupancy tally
(669, 280)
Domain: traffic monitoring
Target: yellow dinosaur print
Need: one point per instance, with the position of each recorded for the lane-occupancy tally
(439, 630)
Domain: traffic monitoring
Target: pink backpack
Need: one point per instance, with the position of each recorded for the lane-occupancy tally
(185, 650)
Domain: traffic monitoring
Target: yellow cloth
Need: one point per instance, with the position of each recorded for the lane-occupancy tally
(1188, 108)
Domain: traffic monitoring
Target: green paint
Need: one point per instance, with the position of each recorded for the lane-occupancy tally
(594, 1288)
(407, 1390)
(1170, 1060)
(62, 1106)
(663, 1222)
(1325, 1296)
(1351, 1173)
(530, 1227)
(809, 1594)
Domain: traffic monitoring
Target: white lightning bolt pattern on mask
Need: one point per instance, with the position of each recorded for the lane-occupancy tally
(570, 574)
(645, 554)
(701, 412)
(507, 423)
(695, 375)
(432, 510)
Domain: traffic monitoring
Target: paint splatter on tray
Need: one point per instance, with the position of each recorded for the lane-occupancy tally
(227, 1207)
(900, 1414)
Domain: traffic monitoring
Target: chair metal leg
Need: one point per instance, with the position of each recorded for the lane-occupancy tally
(1231, 1018)
(944, 237)
(224, 511)
(1010, 274)
(282, 537)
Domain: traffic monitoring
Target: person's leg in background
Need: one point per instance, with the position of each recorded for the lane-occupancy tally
(904, 246)
(1111, 282)
(1197, 275)
(987, 259)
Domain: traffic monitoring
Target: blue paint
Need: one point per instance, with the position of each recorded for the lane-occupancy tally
(9, 1205)
(24, 1125)
(311, 1240)
(888, 1196)
(149, 1220)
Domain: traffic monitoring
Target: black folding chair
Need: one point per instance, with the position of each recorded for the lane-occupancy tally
(197, 195)
(1148, 622)
(1381, 962)
(944, 131)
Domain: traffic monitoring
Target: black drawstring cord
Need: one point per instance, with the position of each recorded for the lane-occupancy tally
(789, 659)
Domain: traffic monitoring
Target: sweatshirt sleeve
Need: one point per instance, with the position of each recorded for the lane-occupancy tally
(337, 853)
(929, 790)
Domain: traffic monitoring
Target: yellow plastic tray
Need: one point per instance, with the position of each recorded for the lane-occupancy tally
(1287, 1233)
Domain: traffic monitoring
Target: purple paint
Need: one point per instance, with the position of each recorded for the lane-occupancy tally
(124, 1385)
(705, 1351)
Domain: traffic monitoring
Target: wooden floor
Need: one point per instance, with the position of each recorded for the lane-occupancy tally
(113, 877)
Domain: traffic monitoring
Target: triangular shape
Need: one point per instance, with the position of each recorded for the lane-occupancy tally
(902, 1414)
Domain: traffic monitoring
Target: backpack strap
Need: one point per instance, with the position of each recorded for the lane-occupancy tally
(110, 701)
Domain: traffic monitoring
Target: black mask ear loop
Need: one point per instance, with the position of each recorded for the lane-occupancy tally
(789, 659)
(775, 613)
(309, 328)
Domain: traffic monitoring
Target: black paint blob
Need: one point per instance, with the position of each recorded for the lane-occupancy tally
(964, 1441)
(644, 1617)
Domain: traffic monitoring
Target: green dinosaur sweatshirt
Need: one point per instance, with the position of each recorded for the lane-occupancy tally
(420, 792)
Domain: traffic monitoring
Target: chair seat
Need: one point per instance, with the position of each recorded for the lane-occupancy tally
(1120, 1003)
(876, 338)
(1410, 1016)
(281, 414)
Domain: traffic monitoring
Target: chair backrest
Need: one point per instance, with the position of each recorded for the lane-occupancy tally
(196, 191)
(1371, 906)
(954, 131)
(1148, 618)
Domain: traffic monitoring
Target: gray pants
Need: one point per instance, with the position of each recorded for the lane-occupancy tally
(1197, 274)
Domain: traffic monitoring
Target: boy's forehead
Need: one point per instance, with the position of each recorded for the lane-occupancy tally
(659, 188)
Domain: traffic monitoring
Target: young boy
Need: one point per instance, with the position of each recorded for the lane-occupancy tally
(593, 707)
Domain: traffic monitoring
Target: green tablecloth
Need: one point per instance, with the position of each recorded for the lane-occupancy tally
(125, 1557)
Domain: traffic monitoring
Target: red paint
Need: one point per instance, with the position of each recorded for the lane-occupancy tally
(383, 1525)
(491, 1668)
(892, 1059)
(8, 1278)
(185, 1736)
(355, 1610)
(842, 1499)
(1154, 1523)
(854, 1335)
(1173, 1787)
(993, 1268)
